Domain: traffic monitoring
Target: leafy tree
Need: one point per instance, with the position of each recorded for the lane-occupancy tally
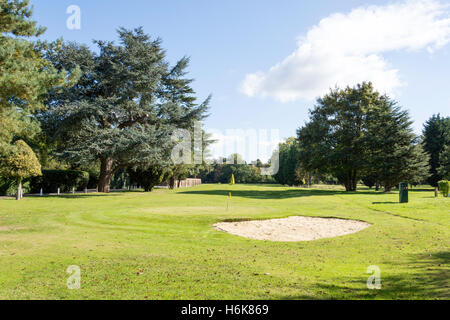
(182, 171)
(220, 172)
(332, 142)
(357, 133)
(125, 106)
(290, 171)
(148, 178)
(25, 73)
(21, 164)
(177, 173)
(436, 136)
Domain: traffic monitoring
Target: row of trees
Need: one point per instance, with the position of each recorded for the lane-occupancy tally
(106, 110)
(222, 170)
(356, 134)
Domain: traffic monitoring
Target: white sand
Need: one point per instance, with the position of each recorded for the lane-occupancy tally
(292, 229)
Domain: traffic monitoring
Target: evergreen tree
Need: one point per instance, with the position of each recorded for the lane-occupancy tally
(444, 169)
(25, 74)
(125, 106)
(436, 136)
(393, 153)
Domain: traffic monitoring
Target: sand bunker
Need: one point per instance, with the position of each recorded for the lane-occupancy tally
(292, 229)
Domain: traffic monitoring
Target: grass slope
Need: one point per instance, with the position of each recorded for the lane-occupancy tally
(162, 246)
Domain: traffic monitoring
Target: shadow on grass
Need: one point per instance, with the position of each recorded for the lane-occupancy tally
(428, 277)
(386, 202)
(75, 196)
(275, 194)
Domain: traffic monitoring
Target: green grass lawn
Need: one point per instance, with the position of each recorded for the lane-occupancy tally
(162, 246)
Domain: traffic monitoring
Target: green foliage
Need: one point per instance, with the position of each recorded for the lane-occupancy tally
(125, 106)
(21, 163)
(357, 133)
(176, 173)
(25, 74)
(436, 137)
(51, 180)
(369, 180)
(332, 142)
(444, 187)
(6, 186)
(244, 173)
(392, 151)
(444, 169)
(290, 172)
(148, 178)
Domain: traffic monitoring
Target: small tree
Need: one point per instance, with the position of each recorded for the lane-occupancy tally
(21, 164)
(232, 182)
(444, 187)
(148, 178)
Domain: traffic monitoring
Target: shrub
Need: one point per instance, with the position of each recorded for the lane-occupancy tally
(444, 187)
(51, 180)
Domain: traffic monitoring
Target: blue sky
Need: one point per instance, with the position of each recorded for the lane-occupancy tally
(265, 61)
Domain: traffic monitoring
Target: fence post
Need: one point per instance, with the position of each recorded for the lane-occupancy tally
(42, 192)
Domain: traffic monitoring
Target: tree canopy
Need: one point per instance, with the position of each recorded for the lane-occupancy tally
(355, 133)
(26, 73)
(125, 107)
(436, 135)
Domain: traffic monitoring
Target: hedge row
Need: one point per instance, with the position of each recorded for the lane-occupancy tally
(65, 180)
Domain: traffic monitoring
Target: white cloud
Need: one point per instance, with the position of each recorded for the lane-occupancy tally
(345, 49)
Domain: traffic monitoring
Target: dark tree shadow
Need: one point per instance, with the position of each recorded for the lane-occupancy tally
(275, 194)
(386, 202)
(428, 277)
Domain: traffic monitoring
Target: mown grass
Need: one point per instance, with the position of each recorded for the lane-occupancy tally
(162, 246)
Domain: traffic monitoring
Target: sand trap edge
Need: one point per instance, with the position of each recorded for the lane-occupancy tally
(292, 229)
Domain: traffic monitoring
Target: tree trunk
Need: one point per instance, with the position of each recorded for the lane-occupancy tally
(106, 173)
(172, 183)
(19, 191)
